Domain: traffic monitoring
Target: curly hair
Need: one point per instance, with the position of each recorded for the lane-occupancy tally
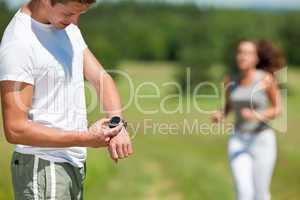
(271, 58)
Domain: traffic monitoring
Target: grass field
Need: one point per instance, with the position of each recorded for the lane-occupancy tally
(175, 166)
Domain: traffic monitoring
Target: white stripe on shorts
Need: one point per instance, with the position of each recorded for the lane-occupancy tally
(35, 178)
(53, 180)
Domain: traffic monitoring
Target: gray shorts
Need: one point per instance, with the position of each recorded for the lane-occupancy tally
(37, 179)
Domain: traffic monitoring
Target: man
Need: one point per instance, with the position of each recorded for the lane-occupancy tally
(43, 63)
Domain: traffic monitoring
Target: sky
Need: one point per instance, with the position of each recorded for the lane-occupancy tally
(260, 4)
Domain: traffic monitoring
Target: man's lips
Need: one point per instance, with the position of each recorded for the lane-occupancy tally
(64, 24)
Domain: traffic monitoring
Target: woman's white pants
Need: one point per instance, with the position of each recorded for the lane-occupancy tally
(252, 159)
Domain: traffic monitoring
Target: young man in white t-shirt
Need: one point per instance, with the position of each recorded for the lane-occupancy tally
(43, 63)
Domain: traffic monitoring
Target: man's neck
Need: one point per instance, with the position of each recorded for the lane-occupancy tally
(36, 10)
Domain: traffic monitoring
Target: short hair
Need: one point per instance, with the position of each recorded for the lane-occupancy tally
(53, 2)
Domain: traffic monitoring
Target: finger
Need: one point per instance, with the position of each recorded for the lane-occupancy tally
(113, 152)
(100, 123)
(125, 150)
(104, 121)
(114, 131)
(111, 155)
(107, 139)
(120, 151)
(129, 149)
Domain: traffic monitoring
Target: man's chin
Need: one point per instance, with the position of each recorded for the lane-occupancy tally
(61, 26)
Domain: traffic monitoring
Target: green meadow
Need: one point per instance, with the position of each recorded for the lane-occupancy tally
(169, 162)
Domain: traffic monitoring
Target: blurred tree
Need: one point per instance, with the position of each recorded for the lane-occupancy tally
(290, 34)
(195, 38)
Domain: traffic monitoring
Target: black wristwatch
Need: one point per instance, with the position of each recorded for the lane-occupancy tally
(115, 121)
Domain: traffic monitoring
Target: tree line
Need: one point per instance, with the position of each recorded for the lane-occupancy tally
(189, 35)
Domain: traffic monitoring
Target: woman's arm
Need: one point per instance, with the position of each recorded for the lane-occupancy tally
(274, 96)
(220, 115)
(269, 84)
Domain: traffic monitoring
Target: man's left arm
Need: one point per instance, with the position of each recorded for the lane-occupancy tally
(120, 146)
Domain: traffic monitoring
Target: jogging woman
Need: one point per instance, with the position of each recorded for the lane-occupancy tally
(252, 94)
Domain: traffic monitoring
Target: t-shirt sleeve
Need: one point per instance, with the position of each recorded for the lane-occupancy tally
(16, 63)
(80, 39)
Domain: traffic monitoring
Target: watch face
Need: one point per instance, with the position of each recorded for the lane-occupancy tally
(115, 121)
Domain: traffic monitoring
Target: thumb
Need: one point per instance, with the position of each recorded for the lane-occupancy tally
(114, 131)
(104, 121)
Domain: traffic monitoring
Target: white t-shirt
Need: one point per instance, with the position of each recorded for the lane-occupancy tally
(51, 60)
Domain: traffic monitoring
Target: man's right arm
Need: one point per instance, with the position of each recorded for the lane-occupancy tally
(16, 101)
